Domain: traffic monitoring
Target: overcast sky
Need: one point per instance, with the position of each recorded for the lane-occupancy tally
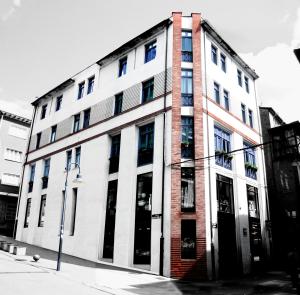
(43, 43)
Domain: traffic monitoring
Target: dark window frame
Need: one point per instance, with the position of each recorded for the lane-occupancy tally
(44, 111)
(86, 118)
(186, 46)
(42, 211)
(58, 103)
(38, 140)
(214, 54)
(187, 84)
(122, 67)
(226, 97)
(187, 137)
(146, 144)
(250, 161)
(187, 180)
(76, 123)
(243, 111)
(53, 133)
(27, 212)
(115, 153)
(223, 62)
(239, 77)
(188, 239)
(217, 93)
(150, 51)
(118, 103)
(80, 93)
(148, 90)
(91, 84)
(222, 139)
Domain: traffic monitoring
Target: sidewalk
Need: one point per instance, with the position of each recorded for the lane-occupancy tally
(78, 276)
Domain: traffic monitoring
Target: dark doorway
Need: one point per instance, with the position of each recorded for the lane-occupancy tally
(109, 234)
(228, 262)
(142, 237)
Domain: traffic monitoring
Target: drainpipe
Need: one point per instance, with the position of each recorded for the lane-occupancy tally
(22, 179)
(212, 247)
(162, 239)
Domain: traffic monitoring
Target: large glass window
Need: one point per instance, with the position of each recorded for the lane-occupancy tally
(27, 212)
(110, 217)
(188, 239)
(46, 173)
(118, 103)
(38, 140)
(91, 82)
(73, 211)
(53, 133)
(225, 194)
(122, 66)
(86, 118)
(114, 153)
(187, 137)
(214, 54)
(150, 51)
(250, 161)
(76, 125)
(142, 237)
(146, 144)
(42, 211)
(222, 148)
(187, 189)
(31, 178)
(186, 46)
(148, 87)
(217, 92)
(243, 110)
(80, 90)
(187, 88)
(44, 111)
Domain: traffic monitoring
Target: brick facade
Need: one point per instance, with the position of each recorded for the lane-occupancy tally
(187, 268)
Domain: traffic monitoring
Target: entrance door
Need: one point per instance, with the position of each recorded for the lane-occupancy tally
(254, 226)
(228, 265)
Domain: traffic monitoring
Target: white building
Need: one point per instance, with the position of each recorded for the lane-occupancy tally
(145, 123)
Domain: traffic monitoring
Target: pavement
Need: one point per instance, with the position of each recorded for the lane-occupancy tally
(21, 275)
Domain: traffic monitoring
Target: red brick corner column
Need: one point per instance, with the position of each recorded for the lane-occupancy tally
(195, 269)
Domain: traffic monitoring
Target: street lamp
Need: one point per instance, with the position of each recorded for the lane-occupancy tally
(78, 179)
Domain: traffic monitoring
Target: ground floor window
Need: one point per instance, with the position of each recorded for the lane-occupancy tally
(42, 211)
(27, 213)
(188, 239)
(109, 233)
(142, 238)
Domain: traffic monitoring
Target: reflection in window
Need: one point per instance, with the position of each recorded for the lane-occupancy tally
(187, 88)
(222, 148)
(146, 144)
(187, 137)
(225, 194)
(187, 189)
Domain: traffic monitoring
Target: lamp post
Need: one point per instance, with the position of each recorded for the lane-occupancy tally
(78, 179)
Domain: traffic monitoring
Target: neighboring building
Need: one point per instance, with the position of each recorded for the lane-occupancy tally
(13, 142)
(282, 161)
(145, 123)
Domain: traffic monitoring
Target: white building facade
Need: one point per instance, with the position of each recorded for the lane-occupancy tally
(154, 127)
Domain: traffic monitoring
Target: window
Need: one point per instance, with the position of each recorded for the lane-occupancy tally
(188, 239)
(91, 82)
(214, 54)
(73, 211)
(239, 76)
(118, 103)
(250, 115)
(187, 189)
(122, 66)
(148, 87)
(253, 208)
(46, 173)
(146, 144)
(110, 218)
(186, 46)
(27, 212)
(225, 194)
(114, 154)
(217, 92)
(143, 218)
(246, 80)
(243, 109)
(187, 88)
(222, 148)
(10, 179)
(223, 63)
(42, 211)
(31, 178)
(80, 90)
(53, 133)
(13, 155)
(38, 140)
(226, 99)
(68, 159)
(77, 155)
(76, 125)
(18, 131)
(150, 51)
(250, 161)
(43, 112)
(187, 137)
(86, 118)
(58, 103)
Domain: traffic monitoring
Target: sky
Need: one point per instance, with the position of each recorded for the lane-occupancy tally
(43, 43)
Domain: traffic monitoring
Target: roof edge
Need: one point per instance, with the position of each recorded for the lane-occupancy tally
(271, 110)
(15, 117)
